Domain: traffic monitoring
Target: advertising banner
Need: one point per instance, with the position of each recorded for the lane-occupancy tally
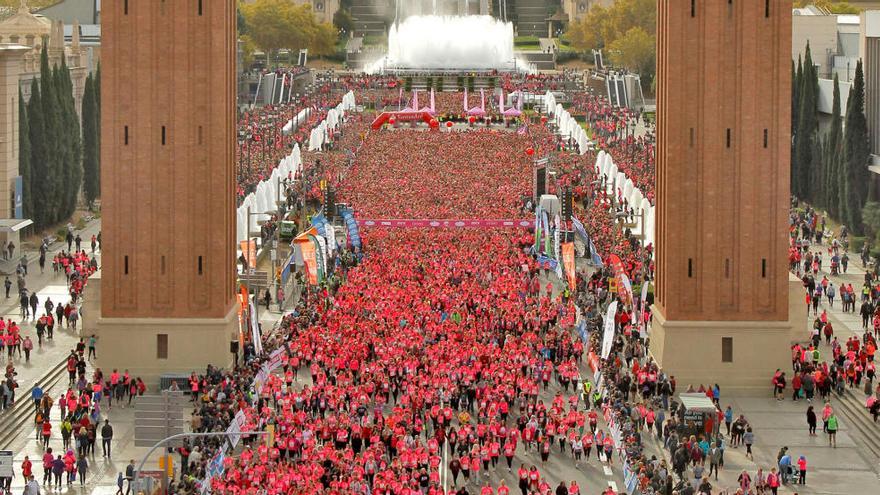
(608, 335)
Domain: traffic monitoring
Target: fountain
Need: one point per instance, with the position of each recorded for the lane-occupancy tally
(452, 43)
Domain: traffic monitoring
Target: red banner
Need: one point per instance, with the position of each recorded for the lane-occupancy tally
(568, 264)
(249, 250)
(445, 223)
(624, 290)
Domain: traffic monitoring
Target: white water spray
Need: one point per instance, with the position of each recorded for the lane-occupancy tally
(449, 42)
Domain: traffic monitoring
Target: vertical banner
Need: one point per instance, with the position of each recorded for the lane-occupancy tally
(623, 286)
(310, 261)
(249, 250)
(538, 229)
(568, 263)
(19, 197)
(608, 335)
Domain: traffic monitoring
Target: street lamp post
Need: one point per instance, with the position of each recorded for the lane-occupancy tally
(140, 468)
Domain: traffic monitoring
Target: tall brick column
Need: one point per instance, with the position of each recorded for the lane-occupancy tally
(723, 146)
(168, 191)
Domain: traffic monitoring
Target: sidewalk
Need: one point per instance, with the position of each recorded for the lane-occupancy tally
(54, 286)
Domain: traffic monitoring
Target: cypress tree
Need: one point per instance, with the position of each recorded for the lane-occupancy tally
(856, 151)
(24, 158)
(52, 180)
(39, 156)
(73, 151)
(831, 155)
(807, 125)
(91, 170)
(796, 83)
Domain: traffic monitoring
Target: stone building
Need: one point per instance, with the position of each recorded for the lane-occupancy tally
(33, 30)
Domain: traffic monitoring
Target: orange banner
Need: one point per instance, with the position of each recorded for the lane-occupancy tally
(310, 260)
(249, 250)
(568, 264)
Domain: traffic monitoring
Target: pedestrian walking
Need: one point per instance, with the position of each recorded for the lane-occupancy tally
(28, 345)
(8, 284)
(93, 341)
(811, 421)
(106, 436)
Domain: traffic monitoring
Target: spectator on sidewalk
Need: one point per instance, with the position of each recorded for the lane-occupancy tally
(8, 284)
(106, 436)
(28, 345)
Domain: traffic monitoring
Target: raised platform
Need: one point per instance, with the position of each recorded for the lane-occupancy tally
(190, 344)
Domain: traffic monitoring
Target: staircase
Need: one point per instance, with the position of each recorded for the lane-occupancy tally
(531, 17)
(370, 17)
(851, 407)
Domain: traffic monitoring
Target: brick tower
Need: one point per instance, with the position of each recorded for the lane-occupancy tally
(168, 124)
(723, 146)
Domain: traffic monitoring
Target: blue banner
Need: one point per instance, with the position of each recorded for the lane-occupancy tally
(580, 230)
(354, 235)
(320, 223)
(594, 255)
(544, 259)
(19, 200)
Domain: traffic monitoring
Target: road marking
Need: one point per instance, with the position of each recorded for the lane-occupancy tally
(613, 486)
(608, 471)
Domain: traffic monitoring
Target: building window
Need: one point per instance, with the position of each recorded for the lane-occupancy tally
(200, 134)
(125, 263)
(728, 137)
(162, 267)
(200, 265)
(126, 135)
(163, 135)
(693, 8)
(763, 267)
(727, 268)
(162, 346)
(766, 8)
(690, 268)
(692, 137)
(200, 7)
(765, 138)
(125, 7)
(726, 349)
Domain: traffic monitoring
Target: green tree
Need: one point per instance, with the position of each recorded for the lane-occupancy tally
(602, 27)
(51, 181)
(807, 128)
(39, 156)
(24, 158)
(636, 51)
(343, 21)
(276, 24)
(832, 153)
(871, 219)
(856, 151)
(73, 151)
(91, 168)
(830, 6)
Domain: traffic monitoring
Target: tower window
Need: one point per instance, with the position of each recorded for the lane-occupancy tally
(692, 137)
(162, 267)
(200, 134)
(162, 346)
(728, 137)
(726, 349)
(200, 7)
(200, 265)
(766, 8)
(763, 267)
(125, 7)
(727, 268)
(125, 263)
(690, 268)
(765, 138)
(693, 8)
(163, 135)
(126, 135)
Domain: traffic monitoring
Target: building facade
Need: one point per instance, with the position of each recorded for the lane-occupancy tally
(166, 287)
(723, 147)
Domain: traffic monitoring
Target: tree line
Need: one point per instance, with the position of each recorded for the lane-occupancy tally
(829, 169)
(58, 154)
